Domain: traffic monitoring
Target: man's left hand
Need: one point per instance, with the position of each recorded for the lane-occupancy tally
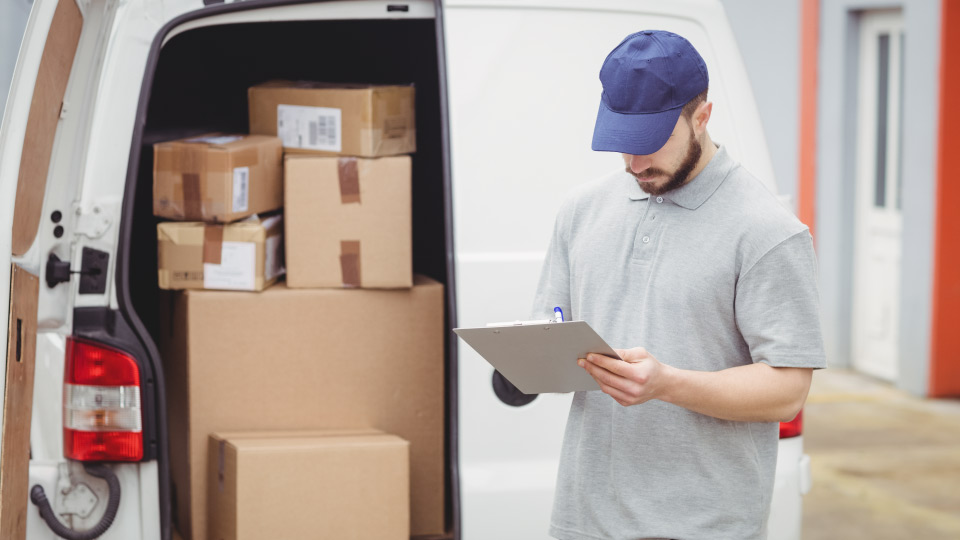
(638, 378)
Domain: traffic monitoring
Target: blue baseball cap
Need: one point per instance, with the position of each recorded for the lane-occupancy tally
(647, 79)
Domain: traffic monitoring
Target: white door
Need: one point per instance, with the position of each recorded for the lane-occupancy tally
(878, 220)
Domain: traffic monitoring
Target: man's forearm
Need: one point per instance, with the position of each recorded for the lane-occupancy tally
(751, 393)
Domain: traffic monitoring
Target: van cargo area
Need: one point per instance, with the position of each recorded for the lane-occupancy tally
(199, 85)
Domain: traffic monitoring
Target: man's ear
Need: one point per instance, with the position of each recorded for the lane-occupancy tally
(701, 116)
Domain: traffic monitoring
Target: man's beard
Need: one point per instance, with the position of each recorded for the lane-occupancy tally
(694, 151)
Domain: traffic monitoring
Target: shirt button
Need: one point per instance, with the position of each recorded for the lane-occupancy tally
(659, 199)
(646, 239)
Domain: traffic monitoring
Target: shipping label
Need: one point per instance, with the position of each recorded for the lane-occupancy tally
(237, 269)
(311, 128)
(241, 189)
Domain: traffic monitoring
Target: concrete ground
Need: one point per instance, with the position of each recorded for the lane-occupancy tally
(886, 465)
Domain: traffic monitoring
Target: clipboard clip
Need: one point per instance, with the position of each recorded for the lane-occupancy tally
(558, 318)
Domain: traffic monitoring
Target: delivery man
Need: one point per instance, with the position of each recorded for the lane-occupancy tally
(709, 284)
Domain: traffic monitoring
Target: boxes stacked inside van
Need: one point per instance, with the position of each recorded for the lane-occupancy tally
(313, 408)
(227, 189)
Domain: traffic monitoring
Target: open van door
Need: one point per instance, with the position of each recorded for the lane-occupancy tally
(71, 438)
(26, 143)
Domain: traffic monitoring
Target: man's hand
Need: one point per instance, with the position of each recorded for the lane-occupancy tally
(750, 393)
(637, 379)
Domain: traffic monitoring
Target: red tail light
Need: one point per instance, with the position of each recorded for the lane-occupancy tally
(793, 428)
(101, 404)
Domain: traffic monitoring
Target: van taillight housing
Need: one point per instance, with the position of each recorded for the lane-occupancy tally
(102, 413)
(793, 428)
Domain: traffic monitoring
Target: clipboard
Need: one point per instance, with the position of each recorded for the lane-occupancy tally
(539, 357)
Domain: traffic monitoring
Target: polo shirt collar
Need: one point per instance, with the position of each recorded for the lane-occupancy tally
(695, 192)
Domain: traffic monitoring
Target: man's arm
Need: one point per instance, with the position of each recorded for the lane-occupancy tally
(751, 393)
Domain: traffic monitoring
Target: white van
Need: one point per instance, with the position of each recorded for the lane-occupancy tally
(506, 100)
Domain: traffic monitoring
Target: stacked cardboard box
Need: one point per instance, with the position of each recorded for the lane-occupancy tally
(209, 183)
(307, 354)
(335, 119)
(271, 485)
(347, 180)
(294, 359)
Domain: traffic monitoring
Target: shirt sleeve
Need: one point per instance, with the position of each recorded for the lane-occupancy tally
(553, 289)
(778, 306)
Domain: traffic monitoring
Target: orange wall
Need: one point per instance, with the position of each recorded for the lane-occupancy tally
(945, 339)
(807, 175)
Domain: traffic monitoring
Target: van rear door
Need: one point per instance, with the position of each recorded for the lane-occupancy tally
(60, 224)
(27, 138)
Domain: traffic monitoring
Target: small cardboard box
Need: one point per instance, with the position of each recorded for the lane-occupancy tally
(309, 485)
(335, 119)
(348, 222)
(306, 359)
(217, 178)
(243, 256)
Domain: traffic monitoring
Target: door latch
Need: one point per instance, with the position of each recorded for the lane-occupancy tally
(93, 271)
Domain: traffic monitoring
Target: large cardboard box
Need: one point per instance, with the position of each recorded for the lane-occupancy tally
(245, 256)
(299, 359)
(308, 485)
(335, 119)
(217, 178)
(348, 222)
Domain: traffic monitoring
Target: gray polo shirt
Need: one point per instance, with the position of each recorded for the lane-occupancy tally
(713, 275)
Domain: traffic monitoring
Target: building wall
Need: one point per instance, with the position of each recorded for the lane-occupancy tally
(13, 19)
(768, 35)
(835, 177)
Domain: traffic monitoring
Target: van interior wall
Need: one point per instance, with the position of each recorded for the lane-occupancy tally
(201, 82)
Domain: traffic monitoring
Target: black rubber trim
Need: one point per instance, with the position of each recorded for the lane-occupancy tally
(453, 383)
(123, 264)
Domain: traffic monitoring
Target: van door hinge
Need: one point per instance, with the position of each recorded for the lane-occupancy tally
(93, 271)
(92, 223)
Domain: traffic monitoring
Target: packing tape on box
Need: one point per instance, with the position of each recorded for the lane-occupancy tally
(349, 180)
(212, 243)
(192, 202)
(350, 263)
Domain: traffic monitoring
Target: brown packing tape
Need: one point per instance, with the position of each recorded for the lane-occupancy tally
(350, 262)
(191, 159)
(192, 205)
(212, 243)
(349, 180)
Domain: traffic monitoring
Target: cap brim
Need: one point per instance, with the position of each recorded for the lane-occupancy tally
(636, 134)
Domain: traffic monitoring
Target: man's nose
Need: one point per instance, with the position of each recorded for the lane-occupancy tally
(638, 164)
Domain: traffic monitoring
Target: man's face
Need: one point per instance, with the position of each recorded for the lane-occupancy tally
(667, 168)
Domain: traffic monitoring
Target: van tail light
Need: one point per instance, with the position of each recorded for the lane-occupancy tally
(101, 404)
(793, 428)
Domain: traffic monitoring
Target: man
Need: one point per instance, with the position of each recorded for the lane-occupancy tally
(689, 260)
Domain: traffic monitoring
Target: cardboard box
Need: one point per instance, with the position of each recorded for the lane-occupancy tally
(300, 359)
(217, 178)
(335, 119)
(348, 222)
(309, 485)
(243, 256)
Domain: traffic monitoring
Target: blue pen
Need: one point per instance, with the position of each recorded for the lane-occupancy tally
(558, 314)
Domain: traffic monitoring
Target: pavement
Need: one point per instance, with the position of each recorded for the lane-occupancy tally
(886, 465)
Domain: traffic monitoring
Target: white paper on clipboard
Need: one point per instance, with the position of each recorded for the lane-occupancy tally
(539, 358)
